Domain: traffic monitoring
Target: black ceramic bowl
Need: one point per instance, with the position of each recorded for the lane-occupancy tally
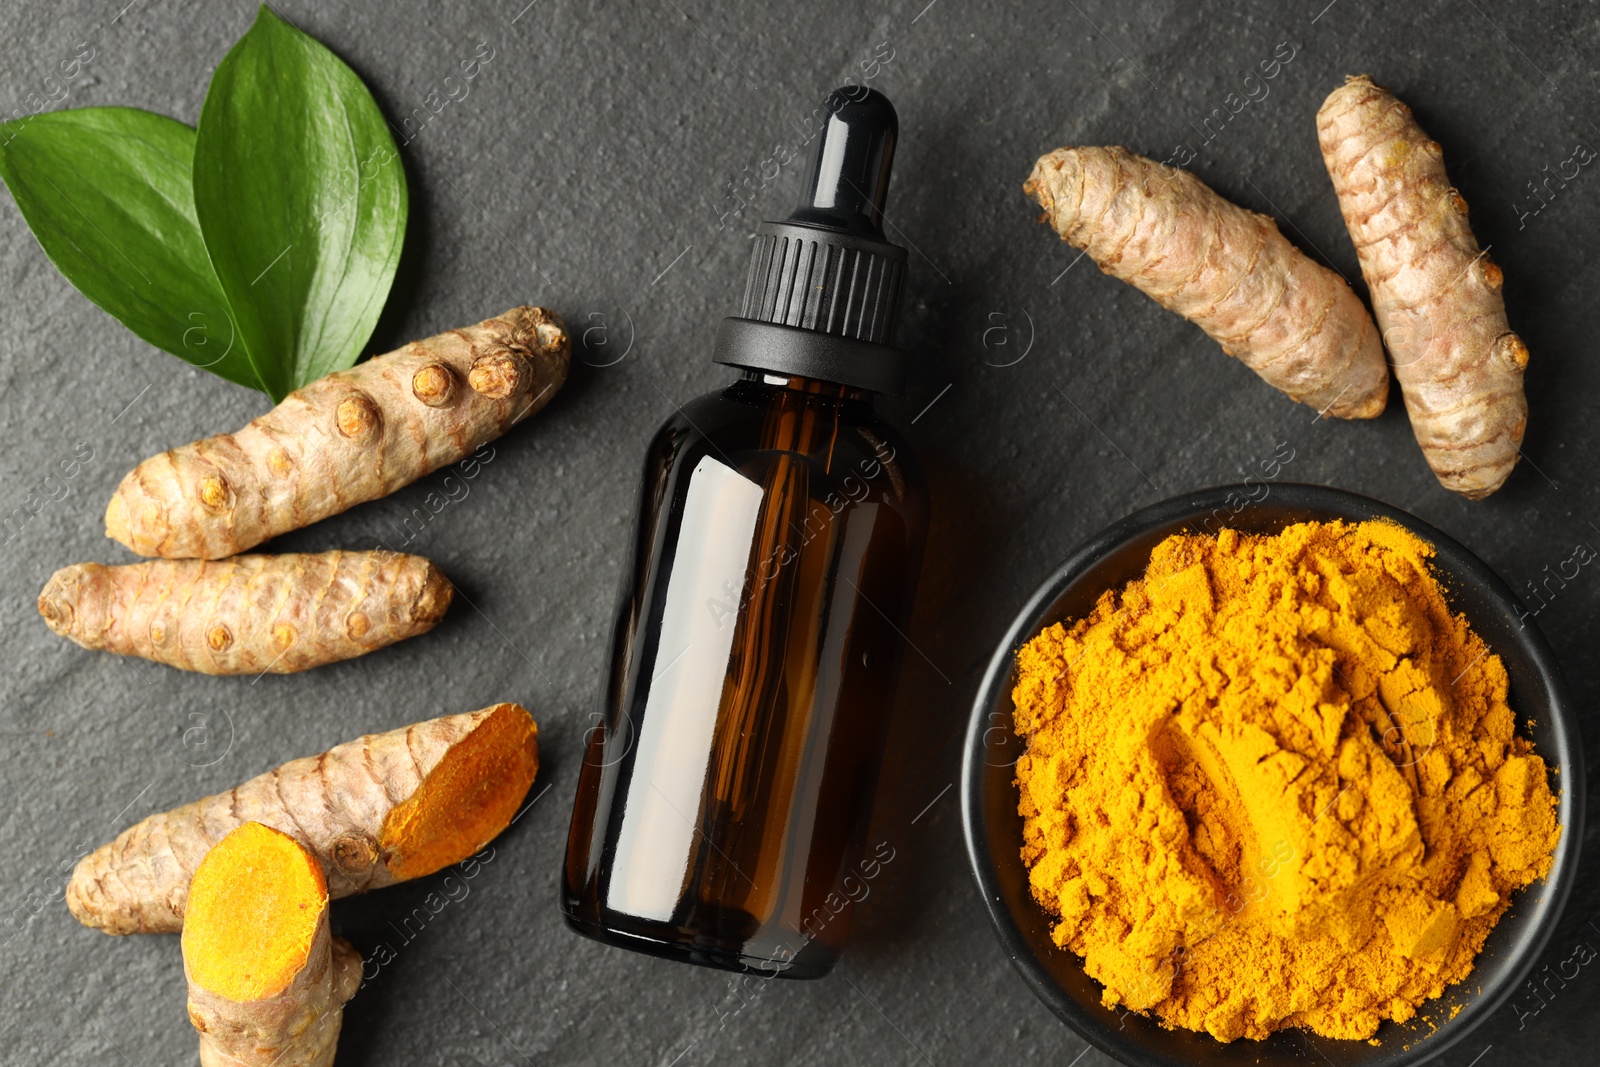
(994, 829)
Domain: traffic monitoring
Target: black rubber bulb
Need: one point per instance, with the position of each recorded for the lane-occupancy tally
(847, 180)
(823, 291)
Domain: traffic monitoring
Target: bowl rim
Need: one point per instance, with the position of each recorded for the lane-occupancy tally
(1568, 754)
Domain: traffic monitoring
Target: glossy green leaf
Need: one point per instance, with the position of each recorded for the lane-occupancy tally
(108, 194)
(302, 200)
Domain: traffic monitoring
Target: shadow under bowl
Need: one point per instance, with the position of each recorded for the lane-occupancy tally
(994, 829)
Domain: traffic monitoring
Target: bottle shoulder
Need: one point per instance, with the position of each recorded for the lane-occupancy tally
(736, 421)
(735, 426)
(738, 414)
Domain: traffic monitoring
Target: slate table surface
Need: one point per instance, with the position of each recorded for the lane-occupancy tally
(610, 161)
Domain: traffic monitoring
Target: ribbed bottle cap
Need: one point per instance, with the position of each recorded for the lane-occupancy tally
(826, 281)
(827, 269)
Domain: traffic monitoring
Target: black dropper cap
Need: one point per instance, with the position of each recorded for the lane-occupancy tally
(824, 285)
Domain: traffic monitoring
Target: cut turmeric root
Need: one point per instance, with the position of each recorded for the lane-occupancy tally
(267, 980)
(382, 809)
(352, 436)
(1226, 269)
(1436, 295)
(248, 614)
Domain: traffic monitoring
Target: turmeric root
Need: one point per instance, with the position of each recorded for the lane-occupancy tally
(248, 614)
(352, 436)
(381, 809)
(1437, 297)
(1226, 269)
(267, 981)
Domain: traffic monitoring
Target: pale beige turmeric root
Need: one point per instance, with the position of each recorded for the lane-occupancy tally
(382, 809)
(248, 614)
(352, 436)
(1226, 269)
(1437, 297)
(267, 981)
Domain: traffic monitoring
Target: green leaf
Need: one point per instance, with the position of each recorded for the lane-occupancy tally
(302, 200)
(108, 194)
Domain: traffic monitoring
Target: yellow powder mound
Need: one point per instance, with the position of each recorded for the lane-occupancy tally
(1275, 783)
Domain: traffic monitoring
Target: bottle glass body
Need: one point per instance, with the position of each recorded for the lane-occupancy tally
(727, 783)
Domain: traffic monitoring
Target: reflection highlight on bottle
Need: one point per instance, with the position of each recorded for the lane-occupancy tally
(657, 835)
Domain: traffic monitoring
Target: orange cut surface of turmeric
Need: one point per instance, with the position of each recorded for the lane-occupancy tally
(255, 904)
(381, 809)
(467, 799)
(1275, 782)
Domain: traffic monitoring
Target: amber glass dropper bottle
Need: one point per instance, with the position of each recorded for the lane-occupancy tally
(724, 797)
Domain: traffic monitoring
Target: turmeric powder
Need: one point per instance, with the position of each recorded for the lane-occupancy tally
(1275, 782)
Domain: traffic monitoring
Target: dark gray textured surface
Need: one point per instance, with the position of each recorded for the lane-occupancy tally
(589, 170)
